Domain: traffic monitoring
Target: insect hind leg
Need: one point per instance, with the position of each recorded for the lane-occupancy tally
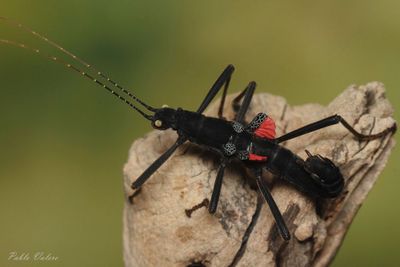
(332, 120)
(280, 222)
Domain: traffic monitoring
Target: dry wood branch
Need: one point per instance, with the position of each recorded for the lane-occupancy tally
(157, 231)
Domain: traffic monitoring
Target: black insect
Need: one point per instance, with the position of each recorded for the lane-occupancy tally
(254, 143)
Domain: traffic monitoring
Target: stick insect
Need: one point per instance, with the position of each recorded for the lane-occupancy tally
(254, 143)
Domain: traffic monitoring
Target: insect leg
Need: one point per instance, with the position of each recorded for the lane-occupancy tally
(280, 222)
(157, 163)
(242, 108)
(223, 97)
(212, 205)
(222, 80)
(217, 188)
(248, 94)
(332, 120)
(131, 197)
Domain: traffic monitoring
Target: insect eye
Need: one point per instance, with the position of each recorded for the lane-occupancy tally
(158, 123)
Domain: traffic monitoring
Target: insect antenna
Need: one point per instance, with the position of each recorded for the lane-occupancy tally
(75, 69)
(81, 61)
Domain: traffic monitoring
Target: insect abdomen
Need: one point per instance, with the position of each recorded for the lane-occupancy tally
(316, 176)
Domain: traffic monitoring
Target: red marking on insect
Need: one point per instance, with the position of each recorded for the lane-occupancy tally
(267, 131)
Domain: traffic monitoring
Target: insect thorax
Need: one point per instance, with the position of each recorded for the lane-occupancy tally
(203, 130)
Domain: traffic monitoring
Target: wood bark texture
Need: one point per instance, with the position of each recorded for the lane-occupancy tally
(157, 231)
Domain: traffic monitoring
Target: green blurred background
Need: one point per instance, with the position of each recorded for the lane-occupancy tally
(64, 141)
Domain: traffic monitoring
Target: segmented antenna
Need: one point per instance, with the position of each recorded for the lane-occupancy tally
(73, 68)
(81, 61)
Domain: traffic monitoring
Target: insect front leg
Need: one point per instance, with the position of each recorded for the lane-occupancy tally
(156, 164)
(131, 197)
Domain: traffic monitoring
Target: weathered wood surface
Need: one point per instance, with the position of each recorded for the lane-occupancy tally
(241, 233)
